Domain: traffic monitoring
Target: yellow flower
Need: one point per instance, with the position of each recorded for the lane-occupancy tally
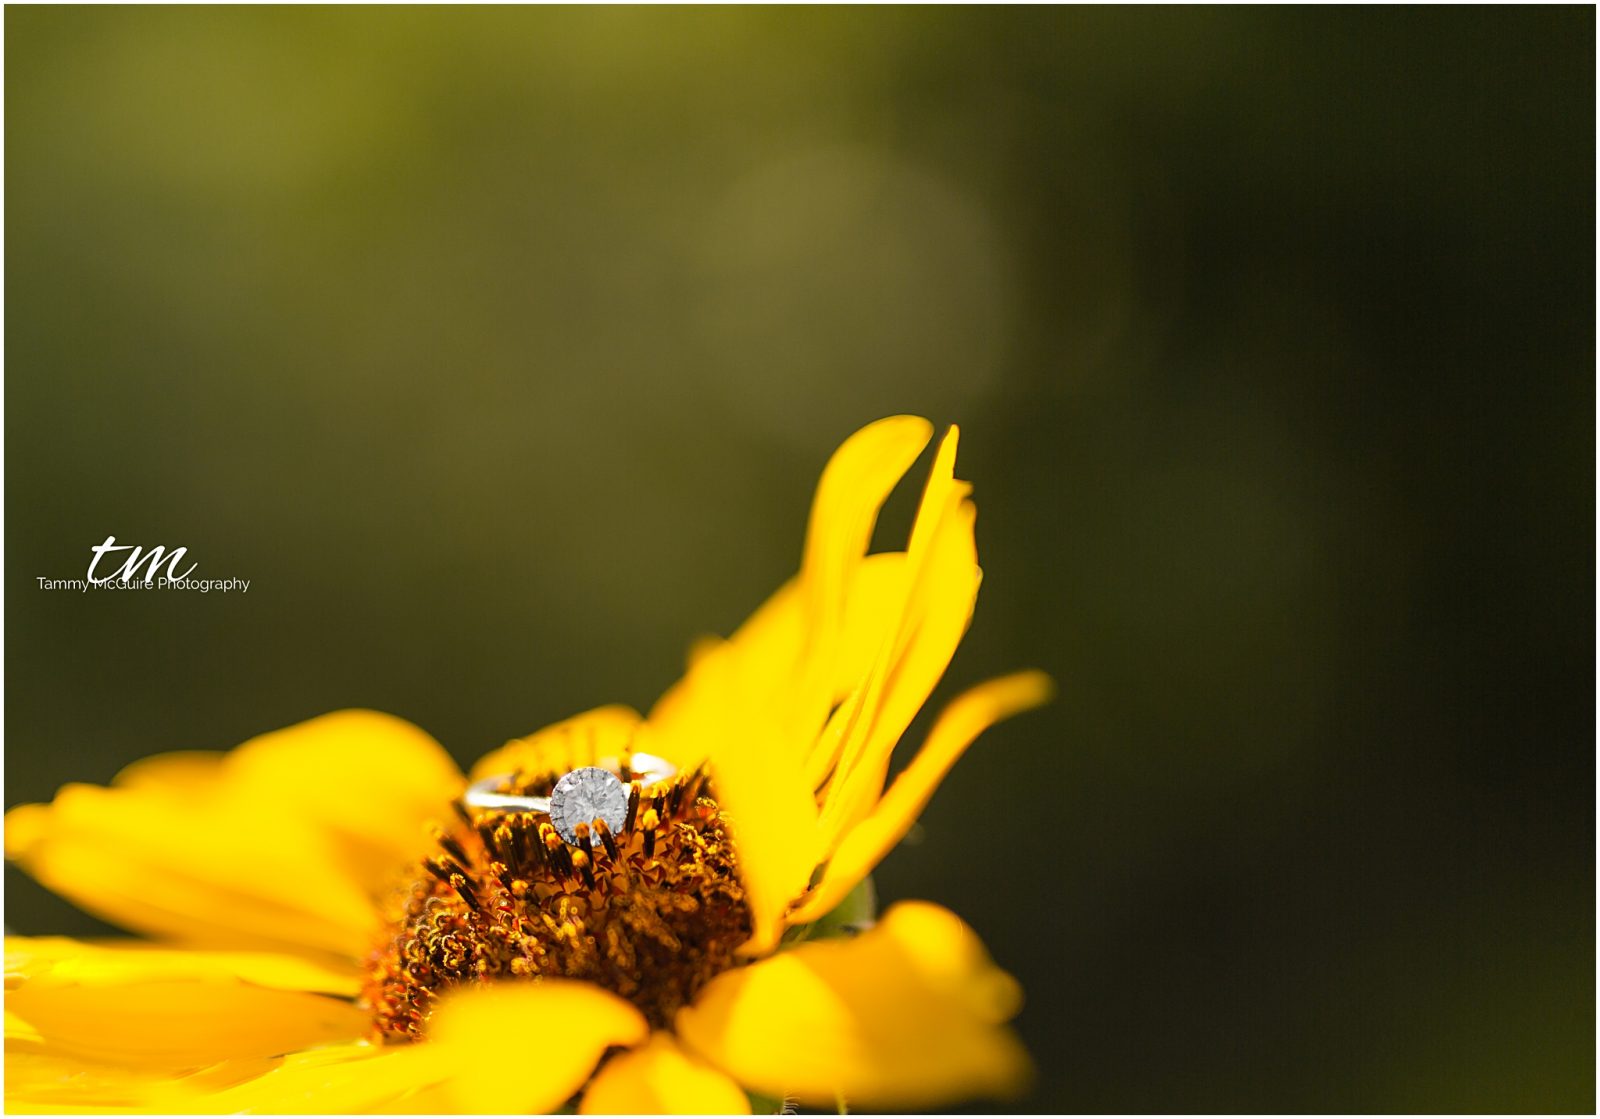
(293, 970)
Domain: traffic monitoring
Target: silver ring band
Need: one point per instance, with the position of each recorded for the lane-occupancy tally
(647, 769)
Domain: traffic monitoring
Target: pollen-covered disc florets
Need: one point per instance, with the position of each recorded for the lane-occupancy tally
(650, 908)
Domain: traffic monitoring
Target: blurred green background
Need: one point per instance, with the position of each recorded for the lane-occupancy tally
(501, 348)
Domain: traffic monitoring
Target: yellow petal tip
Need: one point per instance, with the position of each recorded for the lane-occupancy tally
(24, 827)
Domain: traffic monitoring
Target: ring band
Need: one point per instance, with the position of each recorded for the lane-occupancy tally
(647, 769)
(585, 795)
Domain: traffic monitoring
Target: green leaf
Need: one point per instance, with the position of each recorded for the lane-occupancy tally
(858, 911)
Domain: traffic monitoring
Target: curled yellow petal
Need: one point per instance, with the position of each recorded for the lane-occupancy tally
(906, 1015)
(661, 1079)
(790, 656)
(769, 641)
(942, 590)
(854, 486)
(959, 724)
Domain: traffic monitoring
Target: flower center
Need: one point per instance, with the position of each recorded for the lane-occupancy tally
(650, 911)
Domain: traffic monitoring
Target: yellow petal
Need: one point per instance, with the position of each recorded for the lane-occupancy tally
(41, 1082)
(906, 1015)
(767, 803)
(163, 1009)
(18, 1030)
(27, 826)
(961, 722)
(525, 1047)
(47, 1082)
(180, 769)
(941, 490)
(943, 588)
(368, 780)
(586, 739)
(191, 869)
(769, 641)
(352, 1078)
(282, 844)
(791, 654)
(661, 1079)
(687, 711)
(755, 705)
(59, 960)
(854, 486)
(496, 1049)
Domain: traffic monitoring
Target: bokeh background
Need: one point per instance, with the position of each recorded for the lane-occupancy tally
(501, 348)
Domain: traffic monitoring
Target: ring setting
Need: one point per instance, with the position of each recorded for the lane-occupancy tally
(586, 795)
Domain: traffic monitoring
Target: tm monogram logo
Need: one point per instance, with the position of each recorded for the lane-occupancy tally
(141, 569)
(129, 571)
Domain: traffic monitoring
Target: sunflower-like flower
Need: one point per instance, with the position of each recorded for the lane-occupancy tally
(337, 927)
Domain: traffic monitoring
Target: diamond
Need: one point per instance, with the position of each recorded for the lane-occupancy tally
(584, 796)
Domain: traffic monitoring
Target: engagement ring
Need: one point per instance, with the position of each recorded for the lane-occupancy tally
(582, 796)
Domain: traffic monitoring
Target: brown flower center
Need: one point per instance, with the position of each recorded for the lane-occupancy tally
(651, 913)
